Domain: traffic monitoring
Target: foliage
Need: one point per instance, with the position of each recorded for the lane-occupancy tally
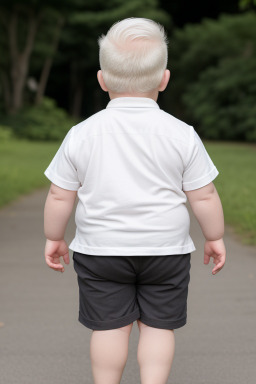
(245, 4)
(43, 122)
(79, 47)
(24, 25)
(30, 33)
(222, 101)
(206, 59)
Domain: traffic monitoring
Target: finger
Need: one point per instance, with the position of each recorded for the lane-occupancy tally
(53, 261)
(217, 268)
(56, 267)
(66, 258)
(206, 258)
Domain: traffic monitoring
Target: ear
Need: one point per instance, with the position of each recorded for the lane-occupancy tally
(165, 80)
(101, 81)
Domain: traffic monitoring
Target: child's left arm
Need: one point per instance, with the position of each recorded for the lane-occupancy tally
(58, 208)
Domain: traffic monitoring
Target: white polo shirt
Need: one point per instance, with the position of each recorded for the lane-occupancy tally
(130, 164)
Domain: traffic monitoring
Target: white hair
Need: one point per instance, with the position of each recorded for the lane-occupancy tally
(133, 55)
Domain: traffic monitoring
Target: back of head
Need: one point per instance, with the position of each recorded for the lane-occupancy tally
(133, 55)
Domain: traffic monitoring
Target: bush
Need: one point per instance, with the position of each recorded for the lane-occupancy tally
(208, 62)
(44, 122)
(222, 101)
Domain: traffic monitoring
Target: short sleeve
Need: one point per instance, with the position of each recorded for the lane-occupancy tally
(199, 170)
(62, 170)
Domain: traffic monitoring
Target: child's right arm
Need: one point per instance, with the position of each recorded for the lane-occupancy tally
(57, 211)
(207, 208)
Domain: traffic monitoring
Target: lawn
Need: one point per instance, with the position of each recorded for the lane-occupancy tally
(236, 185)
(23, 164)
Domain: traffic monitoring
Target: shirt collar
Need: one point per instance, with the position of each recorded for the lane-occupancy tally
(132, 102)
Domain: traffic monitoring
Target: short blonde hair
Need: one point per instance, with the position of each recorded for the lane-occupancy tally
(133, 55)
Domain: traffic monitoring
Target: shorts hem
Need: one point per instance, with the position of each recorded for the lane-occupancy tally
(163, 324)
(109, 324)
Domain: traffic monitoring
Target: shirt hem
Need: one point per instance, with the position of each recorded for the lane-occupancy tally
(132, 251)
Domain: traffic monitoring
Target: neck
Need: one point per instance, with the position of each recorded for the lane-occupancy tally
(152, 95)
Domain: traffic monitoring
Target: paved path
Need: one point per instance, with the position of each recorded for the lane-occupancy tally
(42, 342)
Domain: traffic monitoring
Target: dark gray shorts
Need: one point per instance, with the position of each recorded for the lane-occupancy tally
(114, 291)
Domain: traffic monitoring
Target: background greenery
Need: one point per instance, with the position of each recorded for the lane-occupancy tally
(214, 80)
(236, 185)
(48, 66)
(22, 167)
(44, 122)
(49, 50)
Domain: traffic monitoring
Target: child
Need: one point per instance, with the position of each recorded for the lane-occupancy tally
(133, 167)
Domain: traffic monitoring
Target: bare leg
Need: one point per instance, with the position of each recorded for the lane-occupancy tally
(109, 352)
(155, 354)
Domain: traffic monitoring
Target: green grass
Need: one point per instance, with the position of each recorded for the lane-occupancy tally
(23, 164)
(22, 167)
(236, 185)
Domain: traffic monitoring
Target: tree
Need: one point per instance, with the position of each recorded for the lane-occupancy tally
(20, 25)
(32, 30)
(222, 102)
(14, 67)
(213, 67)
(247, 4)
(79, 47)
(197, 47)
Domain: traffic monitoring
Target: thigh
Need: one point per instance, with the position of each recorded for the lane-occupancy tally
(107, 291)
(162, 290)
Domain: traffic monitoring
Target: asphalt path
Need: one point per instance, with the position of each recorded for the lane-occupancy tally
(42, 342)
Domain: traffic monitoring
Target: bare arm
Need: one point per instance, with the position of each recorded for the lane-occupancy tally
(207, 208)
(58, 208)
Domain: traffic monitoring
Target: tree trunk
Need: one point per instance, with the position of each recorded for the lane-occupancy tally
(48, 63)
(77, 89)
(77, 100)
(6, 90)
(19, 61)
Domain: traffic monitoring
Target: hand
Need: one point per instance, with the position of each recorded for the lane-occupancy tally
(217, 250)
(53, 251)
